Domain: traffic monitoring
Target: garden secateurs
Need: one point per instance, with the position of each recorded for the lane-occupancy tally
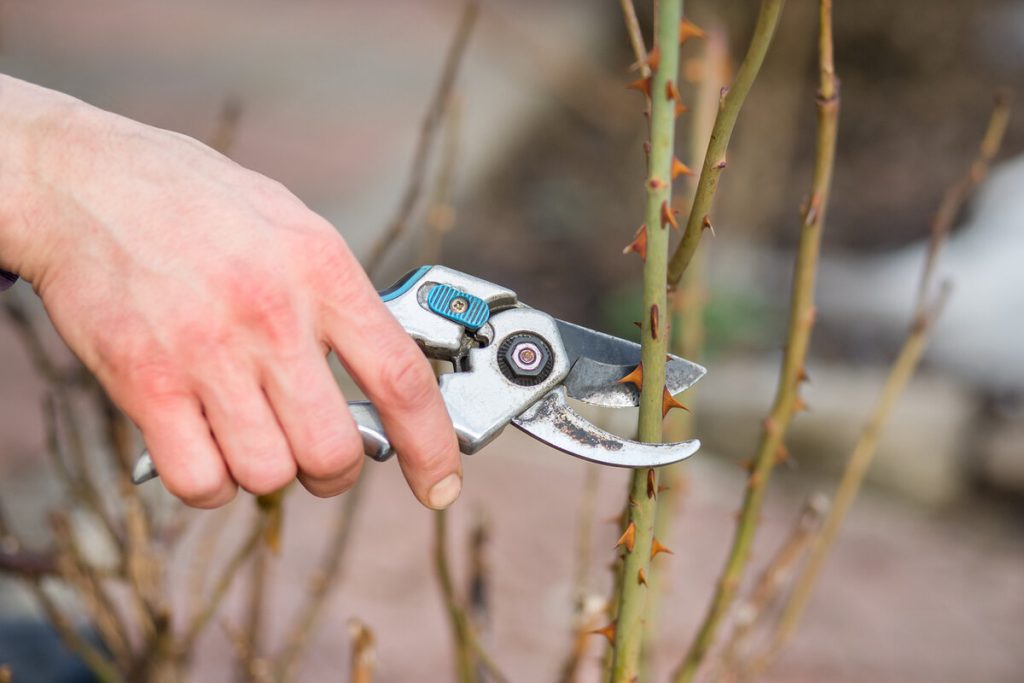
(515, 364)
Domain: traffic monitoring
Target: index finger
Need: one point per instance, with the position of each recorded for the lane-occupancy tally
(397, 378)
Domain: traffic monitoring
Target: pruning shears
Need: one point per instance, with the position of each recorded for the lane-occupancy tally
(515, 364)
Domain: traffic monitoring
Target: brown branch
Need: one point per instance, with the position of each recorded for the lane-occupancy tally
(324, 580)
(955, 196)
(428, 132)
(752, 612)
(226, 131)
(220, 588)
(636, 37)
(801, 321)
(927, 310)
(364, 653)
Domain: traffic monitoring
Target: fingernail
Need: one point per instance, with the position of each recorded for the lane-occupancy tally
(445, 491)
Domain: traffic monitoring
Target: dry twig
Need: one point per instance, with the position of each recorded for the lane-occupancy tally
(928, 308)
(428, 132)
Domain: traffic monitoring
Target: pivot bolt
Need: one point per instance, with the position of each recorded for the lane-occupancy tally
(525, 359)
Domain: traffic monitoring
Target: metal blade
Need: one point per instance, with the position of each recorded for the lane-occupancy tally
(554, 422)
(601, 360)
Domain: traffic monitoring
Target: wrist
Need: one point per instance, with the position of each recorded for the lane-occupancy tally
(36, 126)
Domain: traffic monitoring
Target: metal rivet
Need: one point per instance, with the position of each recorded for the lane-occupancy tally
(458, 305)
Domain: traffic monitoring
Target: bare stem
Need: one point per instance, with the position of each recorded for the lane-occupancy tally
(730, 104)
(801, 320)
(925, 314)
(364, 655)
(642, 500)
(428, 133)
(323, 581)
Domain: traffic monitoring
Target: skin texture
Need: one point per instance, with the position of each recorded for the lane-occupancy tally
(204, 297)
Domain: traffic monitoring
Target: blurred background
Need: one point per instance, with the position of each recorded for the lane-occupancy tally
(536, 183)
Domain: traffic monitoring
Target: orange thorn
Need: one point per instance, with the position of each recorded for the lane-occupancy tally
(657, 547)
(679, 168)
(635, 378)
(608, 632)
(706, 225)
(652, 484)
(671, 92)
(803, 376)
(668, 215)
(628, 538)
(641, 84)
(655, 321)
(641, 578)
(639, 243)
(781, 454)
(654, 58)
(687, 30)
(668, 402)
(799, 405)
(681, 109)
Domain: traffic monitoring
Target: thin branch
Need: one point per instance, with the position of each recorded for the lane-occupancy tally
(220, 588)
(636, 37)
(801, 320)
(96, 661)
(323, 581)
(924, 317)
(730, 104)
(364, 652)
(468, 648)
(955, 196)
(754, 610)
(428, 132)
(642, 499)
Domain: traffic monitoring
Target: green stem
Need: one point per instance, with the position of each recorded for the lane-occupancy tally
(801, 320)
(629, 628)
(730, 104)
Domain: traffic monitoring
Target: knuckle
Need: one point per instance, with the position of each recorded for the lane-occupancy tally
(406, 380)
(332, 487)
(264, 473)
(201, 487)
(330, 454)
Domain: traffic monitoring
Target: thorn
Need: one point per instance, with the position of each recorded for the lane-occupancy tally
(664, 487)
(635, 378)
(803, 376)
(671, 92)
(652, 484)
(654, 58)
(681, 109)
(655, 321)
(781, 454)
(638, 324)
(687, 30)
(641, 84)
(668, 402)
(657, 547)
(655, 184)
(706, 225)
(754, 480)
(639, 243)
(668, 215)
(799, 405)
(679, 168)
(747, 464)
(608, 632)
(628, 537)
(641, 578)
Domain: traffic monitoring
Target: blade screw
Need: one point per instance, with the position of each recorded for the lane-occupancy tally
(525, 359)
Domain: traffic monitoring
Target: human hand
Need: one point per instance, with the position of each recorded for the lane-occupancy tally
(204, 297)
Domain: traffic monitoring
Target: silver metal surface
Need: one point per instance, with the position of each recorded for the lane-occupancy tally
(553, 421)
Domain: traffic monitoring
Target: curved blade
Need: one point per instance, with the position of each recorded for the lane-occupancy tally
(601, 360)
(554, 422)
